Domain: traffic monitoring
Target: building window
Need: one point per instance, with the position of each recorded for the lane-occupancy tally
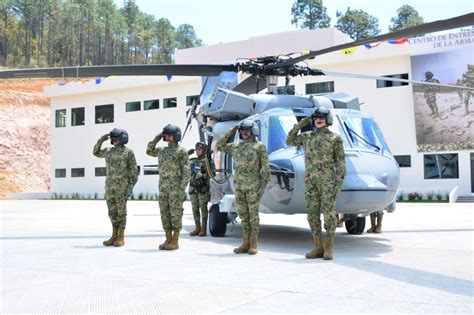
(290, 90)
(170, 102)
(193, 99)
(60, 172)
(104, 114)
(132, 106)
(150, 169)
(384, 84)
(100, 171)
(61, 118)
(441, 166)
(403, 160)
(320, 87)
(151, 104)
(77, 116)
(77, 172)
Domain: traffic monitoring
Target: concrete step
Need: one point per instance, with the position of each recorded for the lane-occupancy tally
(464, 199)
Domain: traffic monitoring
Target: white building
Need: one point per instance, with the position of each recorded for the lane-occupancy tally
(426, 147)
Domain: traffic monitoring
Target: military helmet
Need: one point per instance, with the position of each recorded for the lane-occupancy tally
(200, 145)
(249, 124)
(174, 130)
(323, 112)
(120, 134)
(428, 74)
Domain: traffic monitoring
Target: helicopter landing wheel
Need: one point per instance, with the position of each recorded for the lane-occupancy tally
(354, 225)
(217, 221)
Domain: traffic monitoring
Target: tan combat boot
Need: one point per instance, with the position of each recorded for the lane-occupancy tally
(197, 230)
(244, 248)
(203, 227)
(174, 244)
(253, 249)
(372, 223)
(328, 248)
(318, 250)
(112, 239)
(378, 227)
(119, 241)
(167, 240)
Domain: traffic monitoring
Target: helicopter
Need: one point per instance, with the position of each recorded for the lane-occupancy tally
(372, 174)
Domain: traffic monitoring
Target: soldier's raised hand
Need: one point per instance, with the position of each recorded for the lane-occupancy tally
(105, 137)
(304, 122)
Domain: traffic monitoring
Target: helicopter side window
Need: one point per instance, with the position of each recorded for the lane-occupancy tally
(278, 129)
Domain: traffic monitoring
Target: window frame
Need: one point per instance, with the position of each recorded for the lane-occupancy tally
(380, 84)
(78, 169)
(134, 110)
(63, 172)
(151, 102)
(331, 87)
(169, 100)
(60, 119)
(100, 107)
(83, 115)
(405, 165)
(439, 165)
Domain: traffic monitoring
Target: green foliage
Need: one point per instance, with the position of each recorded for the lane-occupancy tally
(407, 16)
(430, 195)
(310, 14)
(358, 24)
(86, 32)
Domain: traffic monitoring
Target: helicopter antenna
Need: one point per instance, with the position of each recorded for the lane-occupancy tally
(192, 112)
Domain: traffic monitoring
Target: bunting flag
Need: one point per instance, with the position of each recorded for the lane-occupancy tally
(372, 45)
(169, 77)
(398, 41)
(99, 80)
(348, 51)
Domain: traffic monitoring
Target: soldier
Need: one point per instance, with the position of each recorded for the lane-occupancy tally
(325, 170)
(468, 80)
(122, 175)
(173, 167)
(376, 222)
(430, 93)
(199, 189)
(252, 173)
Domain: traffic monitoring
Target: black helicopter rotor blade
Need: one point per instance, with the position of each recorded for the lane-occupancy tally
(380, 78)
(252, 84)
(119, 70)
(441, 25)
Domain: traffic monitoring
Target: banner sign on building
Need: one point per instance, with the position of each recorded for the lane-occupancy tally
(444, 117)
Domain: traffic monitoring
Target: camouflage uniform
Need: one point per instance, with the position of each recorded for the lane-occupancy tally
(468, 81)
(430, 93)
(173, 168)
(122, 175)
(324, 174)
(199, 193)
(252, 173)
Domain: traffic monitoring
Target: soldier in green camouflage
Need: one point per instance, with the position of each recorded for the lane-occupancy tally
(430, 93)
(376, 222)
(252, 173)
(199, 189)
(173, 168)
(468, 80)
(121, 176)
(324, 174)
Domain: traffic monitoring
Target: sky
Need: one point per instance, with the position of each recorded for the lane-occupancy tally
(221, 21)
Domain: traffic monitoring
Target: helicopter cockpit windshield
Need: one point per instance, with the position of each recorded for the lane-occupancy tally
(364, 133)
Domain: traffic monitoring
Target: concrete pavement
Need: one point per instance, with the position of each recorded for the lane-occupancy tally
(53, 261)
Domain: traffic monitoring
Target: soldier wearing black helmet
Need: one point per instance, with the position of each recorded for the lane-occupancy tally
(122, 175)
(324, 174)
(199, 189)
(173, 168)
(252, 173)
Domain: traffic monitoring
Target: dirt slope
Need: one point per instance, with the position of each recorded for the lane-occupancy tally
(24, 136)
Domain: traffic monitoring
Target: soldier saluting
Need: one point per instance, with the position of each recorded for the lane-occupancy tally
(173, 167)
(252, 173)
(324, 174)
(199, 189)
(122, 175)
